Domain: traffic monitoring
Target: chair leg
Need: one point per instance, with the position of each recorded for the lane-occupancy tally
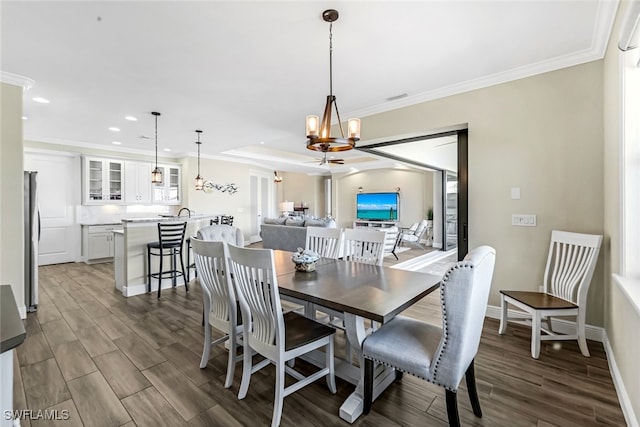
(279, 397)
(160, 275)
(207, 339)
(184, 273)
(148, 269)
(504, 314)
(582, 341)
(188, 244)
(368, 386)
(246, 367)
(535, 334)
(452, 408)
(231, 363)
(470, 376)
(174, 267)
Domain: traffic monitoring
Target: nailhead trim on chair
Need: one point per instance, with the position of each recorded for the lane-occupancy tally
(445, 324)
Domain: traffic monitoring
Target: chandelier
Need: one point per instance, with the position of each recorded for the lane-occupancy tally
(319, 133)
(199, 179)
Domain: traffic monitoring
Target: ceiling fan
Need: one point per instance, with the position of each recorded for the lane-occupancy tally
(325, 161)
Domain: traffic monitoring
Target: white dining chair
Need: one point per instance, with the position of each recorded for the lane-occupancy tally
(570, 264)
(325, 241)
(365, 246)
(276, 336)
(219, 301)
(440, 355)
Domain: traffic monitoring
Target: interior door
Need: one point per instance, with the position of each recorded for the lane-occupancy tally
(58, 194)
(262, 202)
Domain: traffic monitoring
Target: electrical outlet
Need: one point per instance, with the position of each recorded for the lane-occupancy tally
(519, 220)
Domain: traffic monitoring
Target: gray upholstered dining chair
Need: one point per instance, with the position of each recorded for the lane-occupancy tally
(278, 337)
(440, 355)
(214, 232)
(219, 301)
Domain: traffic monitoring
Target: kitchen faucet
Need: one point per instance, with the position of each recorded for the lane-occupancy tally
(187, 209)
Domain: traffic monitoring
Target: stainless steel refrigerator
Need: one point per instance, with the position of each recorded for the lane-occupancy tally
(31, 240)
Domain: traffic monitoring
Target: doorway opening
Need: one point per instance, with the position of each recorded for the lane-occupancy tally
(446, 155)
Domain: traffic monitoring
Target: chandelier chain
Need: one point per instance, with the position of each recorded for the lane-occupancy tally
(331, 59)
(156, 116)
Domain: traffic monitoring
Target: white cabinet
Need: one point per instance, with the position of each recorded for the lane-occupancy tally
(168, 191)
(102, 181)
(137, 182)
(99, 242)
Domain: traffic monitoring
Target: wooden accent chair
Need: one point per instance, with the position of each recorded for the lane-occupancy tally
(439, 355)
(325, 241)
(276, 336)
(219, 299)
(365, 246)
(567, 276)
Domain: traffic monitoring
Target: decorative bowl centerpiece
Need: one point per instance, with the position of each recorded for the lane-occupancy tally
(305, 260)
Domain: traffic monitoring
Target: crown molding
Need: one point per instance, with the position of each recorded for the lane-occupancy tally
(605, 17)
(17, 80)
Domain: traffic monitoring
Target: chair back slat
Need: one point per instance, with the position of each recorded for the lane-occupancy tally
(257, 291)
(364, 246)
(570, 264)
(171, 233)
(210, 259)
(324, 241)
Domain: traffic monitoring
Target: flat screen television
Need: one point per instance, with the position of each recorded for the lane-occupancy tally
(377, 206)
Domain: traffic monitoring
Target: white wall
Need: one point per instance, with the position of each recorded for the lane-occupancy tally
(622, 321)
(416, 192)
(12, 192)
(542, 134)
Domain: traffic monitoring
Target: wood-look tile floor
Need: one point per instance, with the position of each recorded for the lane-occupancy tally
(111, 361)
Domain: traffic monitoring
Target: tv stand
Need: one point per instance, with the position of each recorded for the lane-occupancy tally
(360, 223)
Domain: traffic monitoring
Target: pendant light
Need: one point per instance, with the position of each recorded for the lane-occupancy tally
(156, 174)
(276, 178)
(319, 134)
(199, 179)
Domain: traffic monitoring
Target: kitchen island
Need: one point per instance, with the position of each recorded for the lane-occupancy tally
(130, 260)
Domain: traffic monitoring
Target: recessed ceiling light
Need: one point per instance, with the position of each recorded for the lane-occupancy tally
(25, 118)
(131, 118)
(114, 129)
(262, 142)
(166, 149)
(116, 142)
(41, 100)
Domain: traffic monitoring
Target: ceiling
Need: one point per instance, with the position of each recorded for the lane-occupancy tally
(247, 73)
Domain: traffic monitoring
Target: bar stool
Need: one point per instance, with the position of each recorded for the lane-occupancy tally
(171, 237)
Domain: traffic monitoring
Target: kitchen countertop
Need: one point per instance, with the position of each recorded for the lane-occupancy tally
(110, 222)
(12, 332)
(168, 218)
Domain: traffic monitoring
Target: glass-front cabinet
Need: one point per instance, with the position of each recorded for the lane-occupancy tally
(103, 181)
(168, 191)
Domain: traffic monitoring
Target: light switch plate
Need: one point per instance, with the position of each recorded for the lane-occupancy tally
(515, 193)
(521, 220)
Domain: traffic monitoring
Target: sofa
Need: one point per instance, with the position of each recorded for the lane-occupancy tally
(289, 233)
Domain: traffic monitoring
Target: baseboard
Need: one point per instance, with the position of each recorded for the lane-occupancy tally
(618, 382)
(593, 333)
(141, 288)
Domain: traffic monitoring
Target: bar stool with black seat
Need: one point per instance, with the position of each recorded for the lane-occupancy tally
(171, 238)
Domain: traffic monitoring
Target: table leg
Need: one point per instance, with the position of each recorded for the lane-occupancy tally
(352, 408)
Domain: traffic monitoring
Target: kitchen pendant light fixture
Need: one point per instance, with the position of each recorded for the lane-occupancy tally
(199, 179)
(156, 175)
(277, 179)
(319, 133)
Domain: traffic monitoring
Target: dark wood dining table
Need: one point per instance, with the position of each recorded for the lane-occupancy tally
(357, 291)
